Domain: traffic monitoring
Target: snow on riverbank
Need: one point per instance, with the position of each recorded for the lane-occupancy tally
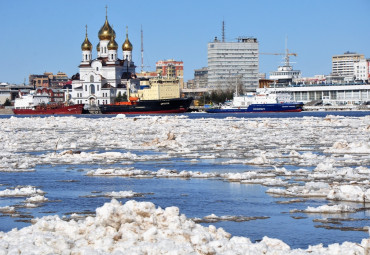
(141, 228)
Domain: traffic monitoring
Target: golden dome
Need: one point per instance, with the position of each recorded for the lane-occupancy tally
(86, 45)
(106, 31)
(98, 47)
(112, 45)
(127, 46)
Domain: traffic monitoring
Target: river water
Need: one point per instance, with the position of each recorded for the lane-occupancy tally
(69, 190)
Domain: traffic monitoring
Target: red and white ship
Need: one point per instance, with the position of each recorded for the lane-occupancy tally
(40, 103)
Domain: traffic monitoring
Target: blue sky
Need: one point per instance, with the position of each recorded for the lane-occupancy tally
(46, 35)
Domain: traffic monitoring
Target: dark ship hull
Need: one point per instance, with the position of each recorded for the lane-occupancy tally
(177, 105)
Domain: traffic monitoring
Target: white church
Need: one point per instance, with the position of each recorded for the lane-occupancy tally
(103, 78)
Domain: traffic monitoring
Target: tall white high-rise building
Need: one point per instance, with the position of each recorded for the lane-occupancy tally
(343, 65)
(232, 63)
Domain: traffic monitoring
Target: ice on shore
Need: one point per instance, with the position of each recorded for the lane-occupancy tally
(141, 228)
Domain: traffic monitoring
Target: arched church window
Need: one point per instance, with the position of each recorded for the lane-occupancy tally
(91, 78)
(92, 89)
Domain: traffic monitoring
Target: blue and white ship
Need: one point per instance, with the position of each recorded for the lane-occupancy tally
(260, 101)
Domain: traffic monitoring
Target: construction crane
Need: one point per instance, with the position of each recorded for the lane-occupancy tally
(287, 54)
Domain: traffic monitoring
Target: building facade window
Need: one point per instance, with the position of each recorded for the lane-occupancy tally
(92, 89)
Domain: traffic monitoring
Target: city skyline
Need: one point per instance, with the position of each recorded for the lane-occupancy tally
(41, 36)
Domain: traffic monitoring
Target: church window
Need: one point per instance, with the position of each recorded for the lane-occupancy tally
(97, 68)
(97, 87)
(92, 89)
(85, 87)
(91, 78)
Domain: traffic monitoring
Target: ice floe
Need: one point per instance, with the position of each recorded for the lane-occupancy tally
(327, 209)
(141, 228)
(21, 192)
(122, 194)
(7, 209)
(310, 189)
(330, 158)
(349, 193)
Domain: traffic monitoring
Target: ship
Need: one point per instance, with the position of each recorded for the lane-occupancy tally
(137, 106)
(259, 101)
(153, 96)
(35, 103)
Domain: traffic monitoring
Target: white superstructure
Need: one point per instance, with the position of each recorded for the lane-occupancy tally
(333, 94)
(28, 101)
(286, 73)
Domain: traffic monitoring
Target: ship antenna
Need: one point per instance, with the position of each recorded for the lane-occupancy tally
(142, 49)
